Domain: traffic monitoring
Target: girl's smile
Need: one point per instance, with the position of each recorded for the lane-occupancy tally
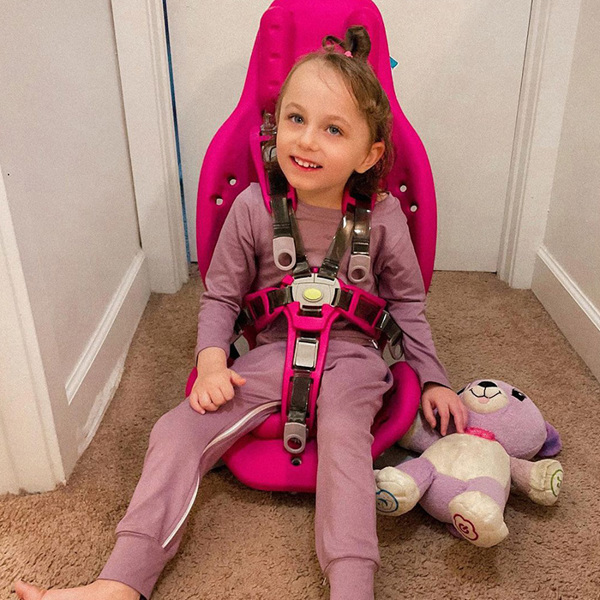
(304, 164)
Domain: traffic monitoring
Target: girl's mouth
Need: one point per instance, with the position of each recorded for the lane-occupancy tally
(305, 165)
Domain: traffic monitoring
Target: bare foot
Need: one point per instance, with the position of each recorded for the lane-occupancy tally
(98, 590)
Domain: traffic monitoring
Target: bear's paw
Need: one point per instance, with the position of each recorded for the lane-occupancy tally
(397, 492)
(545, 481)
(478, 518)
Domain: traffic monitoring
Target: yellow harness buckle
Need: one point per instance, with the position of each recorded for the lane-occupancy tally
(312, 295)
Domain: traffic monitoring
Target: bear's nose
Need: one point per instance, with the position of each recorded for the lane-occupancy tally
(487, 384)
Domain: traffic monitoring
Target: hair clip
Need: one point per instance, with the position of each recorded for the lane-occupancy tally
(348, 53)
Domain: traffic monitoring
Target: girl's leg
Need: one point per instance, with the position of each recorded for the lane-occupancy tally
(354, 382)
(183, 446)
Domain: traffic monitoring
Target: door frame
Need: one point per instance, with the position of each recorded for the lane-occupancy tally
(30, 456)
(142, 51)
(146, 88)
(544, 87)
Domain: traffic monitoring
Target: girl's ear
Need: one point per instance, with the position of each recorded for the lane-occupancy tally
(374, 154)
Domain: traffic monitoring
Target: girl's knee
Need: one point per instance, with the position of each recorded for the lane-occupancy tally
(172, 423)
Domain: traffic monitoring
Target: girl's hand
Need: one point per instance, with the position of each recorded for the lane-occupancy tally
(446, 402)
(213, 389)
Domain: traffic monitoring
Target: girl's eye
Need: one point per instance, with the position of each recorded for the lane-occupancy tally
(335, 130)
(296, 118)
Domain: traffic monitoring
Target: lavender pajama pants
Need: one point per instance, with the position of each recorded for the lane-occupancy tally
(184, 445)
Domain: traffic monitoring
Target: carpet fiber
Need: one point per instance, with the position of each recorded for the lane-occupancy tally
(246, 544)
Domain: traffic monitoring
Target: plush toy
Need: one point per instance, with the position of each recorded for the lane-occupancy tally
(464, 479)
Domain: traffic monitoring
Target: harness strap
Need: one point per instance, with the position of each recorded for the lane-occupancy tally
(331, 263)
(390, 329)
(265, 305)
(302, 267)
(285, 251)
(360, 260)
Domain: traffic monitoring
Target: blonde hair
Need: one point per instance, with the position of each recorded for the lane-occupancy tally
(348, 58)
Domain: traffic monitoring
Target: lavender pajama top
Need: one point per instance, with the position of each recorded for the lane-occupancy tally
(243, 262)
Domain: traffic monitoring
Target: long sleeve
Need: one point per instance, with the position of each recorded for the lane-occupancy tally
(401, 284)
(229, 278)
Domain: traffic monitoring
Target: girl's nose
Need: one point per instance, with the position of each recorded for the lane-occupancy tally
(308, 139)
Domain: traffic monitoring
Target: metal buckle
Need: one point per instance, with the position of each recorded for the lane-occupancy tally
(294, 437)
(305, 353)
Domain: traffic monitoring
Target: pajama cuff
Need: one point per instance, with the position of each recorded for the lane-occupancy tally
(137, 561)
(351, 578)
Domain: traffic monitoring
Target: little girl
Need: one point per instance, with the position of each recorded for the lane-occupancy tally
(333, 132)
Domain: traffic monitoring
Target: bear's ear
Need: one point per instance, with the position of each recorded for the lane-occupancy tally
(552, 446)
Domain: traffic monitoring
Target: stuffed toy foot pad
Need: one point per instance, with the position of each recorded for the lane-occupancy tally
(397, 492)
(478, 519)
(545, 482)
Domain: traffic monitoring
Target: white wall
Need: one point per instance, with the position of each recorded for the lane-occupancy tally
(70, 202)
(567, 272)
(459, 74)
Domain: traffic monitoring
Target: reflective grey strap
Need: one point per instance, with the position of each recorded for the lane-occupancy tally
(281, 217)
(300, 390)
(362, 225)
(337, 248)
(302, 267)
(389, 328)
(295, 430)
(255, 309)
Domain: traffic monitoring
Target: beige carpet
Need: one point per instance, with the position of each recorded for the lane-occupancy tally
(246, 544)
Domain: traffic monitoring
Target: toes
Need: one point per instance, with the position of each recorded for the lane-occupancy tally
(26, 591)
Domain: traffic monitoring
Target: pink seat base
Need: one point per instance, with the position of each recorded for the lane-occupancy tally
(260, 461)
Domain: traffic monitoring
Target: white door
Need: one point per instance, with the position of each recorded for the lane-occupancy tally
(458, 82)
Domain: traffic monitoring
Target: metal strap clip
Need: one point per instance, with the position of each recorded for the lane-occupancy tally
(393, 332)
(305, 353)
(294, 437)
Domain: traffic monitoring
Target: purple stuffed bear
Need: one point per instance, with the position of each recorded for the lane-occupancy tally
(464, 479)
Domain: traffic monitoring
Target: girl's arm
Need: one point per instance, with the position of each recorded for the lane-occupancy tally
(400, 283)
(229, 278)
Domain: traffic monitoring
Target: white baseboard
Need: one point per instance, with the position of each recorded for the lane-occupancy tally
(95, 379)
(574, 313)
(102, 401)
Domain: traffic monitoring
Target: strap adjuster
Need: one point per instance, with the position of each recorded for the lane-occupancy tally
(392, 331)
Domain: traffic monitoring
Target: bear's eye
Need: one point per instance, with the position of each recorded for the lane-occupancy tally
(518, 395)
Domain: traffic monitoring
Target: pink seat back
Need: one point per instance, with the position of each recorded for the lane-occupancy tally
(289, 29)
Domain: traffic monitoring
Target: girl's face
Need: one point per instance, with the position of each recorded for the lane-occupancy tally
(321, 135)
